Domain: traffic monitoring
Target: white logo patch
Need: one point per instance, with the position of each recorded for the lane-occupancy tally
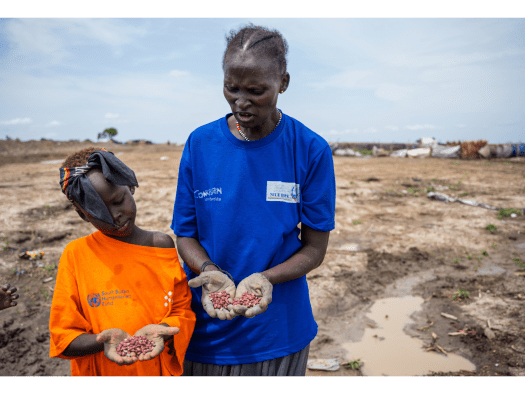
(283, 191)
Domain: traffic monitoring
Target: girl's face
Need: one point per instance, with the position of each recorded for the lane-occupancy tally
(120, 203)
(251, 87)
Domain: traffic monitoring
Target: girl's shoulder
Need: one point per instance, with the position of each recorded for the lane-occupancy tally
(156, 239)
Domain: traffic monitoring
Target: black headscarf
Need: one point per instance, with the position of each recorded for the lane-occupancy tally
(77, 187)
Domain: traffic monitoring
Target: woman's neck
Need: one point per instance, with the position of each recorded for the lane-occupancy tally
(254, 133)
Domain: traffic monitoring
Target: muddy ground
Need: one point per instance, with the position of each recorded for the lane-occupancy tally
(390, 240)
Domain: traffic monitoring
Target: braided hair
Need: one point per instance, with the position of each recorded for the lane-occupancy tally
(258, 39)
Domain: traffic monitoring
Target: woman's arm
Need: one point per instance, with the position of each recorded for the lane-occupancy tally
(193, 254)
(307, 258)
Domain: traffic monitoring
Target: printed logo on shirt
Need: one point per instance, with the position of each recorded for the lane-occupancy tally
(114, 295)
(93, 299)
(207, 194)
(283, 191)
(167, 298)
(107, 298)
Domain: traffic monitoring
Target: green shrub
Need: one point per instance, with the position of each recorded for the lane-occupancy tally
(491, 228)
(505, 212)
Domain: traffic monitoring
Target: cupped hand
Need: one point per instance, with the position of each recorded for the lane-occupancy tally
(259, 285)
(7, 296)
(111, 338)
(211, 282)
(157, 334)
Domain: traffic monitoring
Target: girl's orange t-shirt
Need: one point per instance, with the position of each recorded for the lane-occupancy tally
(104, 283)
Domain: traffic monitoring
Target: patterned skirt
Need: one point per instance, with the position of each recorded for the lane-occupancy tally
(291, 365)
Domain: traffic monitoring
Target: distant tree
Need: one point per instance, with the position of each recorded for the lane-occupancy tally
(108, 133)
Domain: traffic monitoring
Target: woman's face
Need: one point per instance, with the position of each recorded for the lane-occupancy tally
(251, 87)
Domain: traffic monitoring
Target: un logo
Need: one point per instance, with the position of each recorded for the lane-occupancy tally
(93, 299)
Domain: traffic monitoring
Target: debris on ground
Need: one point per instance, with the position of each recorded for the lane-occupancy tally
(331, 364)
(443, 197)
(32, 255)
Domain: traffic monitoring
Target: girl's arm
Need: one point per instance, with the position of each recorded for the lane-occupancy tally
(307, 258)
(83, 345)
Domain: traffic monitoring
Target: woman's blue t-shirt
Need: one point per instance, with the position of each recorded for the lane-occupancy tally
(243, 201)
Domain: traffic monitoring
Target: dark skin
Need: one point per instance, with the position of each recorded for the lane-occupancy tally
(307, 258)
(7, 296)
(121, 205)
(251, 86)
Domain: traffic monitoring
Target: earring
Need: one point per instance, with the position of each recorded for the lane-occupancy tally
(282, 91)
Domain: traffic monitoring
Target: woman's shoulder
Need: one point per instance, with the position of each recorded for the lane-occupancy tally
(306, 136)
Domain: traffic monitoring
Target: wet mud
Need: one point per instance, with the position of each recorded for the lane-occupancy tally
(390, 243)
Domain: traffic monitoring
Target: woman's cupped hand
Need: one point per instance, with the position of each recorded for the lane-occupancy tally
(256, 284)
(212, 282)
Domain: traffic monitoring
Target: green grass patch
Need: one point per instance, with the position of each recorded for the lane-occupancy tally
(491, 228)
(461, 294)
(356, 364)
(356, 222)
(463, 194)
(505, 212)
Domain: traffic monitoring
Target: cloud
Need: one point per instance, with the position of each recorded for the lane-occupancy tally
(16, 121)
(392, 128)
(109, 115)
(421, 127)
(178, 73)
(370, 130)
(49, 40)
(53, 123)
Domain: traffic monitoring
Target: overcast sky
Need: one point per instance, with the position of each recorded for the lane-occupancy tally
(352, 79)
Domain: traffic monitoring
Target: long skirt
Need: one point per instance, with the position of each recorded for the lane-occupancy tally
(291, 365)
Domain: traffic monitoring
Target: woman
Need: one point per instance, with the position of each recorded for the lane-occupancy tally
(245, 183)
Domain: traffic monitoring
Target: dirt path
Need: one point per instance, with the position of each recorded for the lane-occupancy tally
(390, 241)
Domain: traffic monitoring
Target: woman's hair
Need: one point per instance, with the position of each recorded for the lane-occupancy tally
(79, 158)
(259, 40)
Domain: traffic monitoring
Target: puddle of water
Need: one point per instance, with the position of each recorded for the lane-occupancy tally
(388, 351)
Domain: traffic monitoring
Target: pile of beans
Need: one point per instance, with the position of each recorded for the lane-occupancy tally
(138, 345)
(220, 299)
(247, 299)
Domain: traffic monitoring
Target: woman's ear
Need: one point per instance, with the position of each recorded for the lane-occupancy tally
(132, 189)
(285, 81)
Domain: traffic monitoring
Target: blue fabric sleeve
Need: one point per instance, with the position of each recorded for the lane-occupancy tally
(318, 193)
(184, 223)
